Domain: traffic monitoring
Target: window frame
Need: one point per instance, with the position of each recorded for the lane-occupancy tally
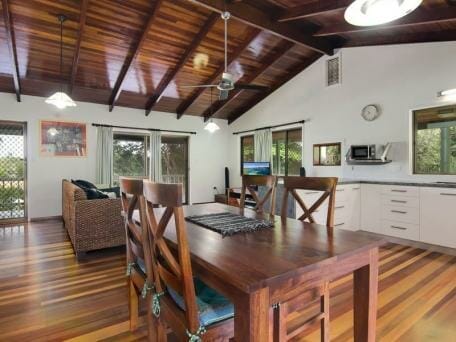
(413, 130)
(242, 149)
(319, 146)
(287, 133)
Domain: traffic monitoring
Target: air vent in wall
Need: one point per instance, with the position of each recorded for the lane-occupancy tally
(333, 71)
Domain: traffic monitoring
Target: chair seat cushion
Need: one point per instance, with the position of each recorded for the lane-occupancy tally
(213, 307)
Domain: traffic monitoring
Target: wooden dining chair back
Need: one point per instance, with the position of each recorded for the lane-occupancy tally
(139, 262)
(172, 266)
(325, 185)
(250, 182)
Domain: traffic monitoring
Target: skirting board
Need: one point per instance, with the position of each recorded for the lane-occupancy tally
(46, 218)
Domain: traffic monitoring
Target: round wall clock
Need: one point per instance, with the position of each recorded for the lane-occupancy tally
(370, 112)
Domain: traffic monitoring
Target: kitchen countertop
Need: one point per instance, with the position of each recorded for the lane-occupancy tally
(397, 182)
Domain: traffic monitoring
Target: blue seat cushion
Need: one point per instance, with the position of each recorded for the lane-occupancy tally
(213, 307)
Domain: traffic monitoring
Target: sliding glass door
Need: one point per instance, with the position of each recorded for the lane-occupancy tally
(174, 153)
(13, 191)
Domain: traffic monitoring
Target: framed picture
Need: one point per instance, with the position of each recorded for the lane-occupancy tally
(327, 154)
(63, 139)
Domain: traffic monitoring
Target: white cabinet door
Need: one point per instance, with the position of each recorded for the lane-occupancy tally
(355, 206)
(438, 216)
(371, 207)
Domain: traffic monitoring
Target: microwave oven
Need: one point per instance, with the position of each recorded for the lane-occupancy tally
(362, 152)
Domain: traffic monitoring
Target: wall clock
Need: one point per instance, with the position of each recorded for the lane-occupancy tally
(370, 112)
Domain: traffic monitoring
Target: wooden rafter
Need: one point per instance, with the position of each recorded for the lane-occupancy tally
(255, 100)
(313, 9)
(268, 61)
(12, 48)
(77, 49)
(168, 78)
(130, 59)
(256, 17)
(419, 17)
(217, 74)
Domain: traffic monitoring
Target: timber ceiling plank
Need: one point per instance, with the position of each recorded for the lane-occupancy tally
(313, 9)
(82, 22)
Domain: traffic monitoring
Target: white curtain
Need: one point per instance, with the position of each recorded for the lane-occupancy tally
(155, 157)
(104, 156)
(263, 145)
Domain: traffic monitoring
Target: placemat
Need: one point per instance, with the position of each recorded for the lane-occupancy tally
(229, 223)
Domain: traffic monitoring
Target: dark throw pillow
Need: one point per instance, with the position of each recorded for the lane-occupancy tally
(84, 184)
(115, 189)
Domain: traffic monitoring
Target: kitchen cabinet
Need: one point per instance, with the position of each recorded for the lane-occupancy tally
(371, 201)
(438, 216)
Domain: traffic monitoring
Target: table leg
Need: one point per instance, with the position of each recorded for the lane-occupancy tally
(365, 285)
(251, 317)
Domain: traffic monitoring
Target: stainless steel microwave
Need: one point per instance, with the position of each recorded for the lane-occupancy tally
(361, 152)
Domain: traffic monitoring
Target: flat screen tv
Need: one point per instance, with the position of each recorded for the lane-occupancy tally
(257, 168)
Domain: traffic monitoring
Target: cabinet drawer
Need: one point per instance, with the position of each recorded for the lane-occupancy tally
(401, 229)
(342, 193)
(400, 201)
(412, 191)
(401, 214)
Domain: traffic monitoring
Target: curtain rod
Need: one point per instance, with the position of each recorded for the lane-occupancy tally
(269, 127)
(144, 129)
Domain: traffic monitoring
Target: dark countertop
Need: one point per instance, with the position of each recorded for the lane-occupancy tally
(398, 182)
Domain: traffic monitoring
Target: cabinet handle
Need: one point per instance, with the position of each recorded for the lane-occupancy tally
(311, 192)
(447, 194)
(340, 207)
(339, 224)
(356, 188)
(397, 190)
(398, 227)
(397, 201)
(340, 189)
(398, 212)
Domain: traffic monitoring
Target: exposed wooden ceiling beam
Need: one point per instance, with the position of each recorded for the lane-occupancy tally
(12, 48)
(313, 9)
(419, 17)
(217, 74)
(267, 62)
(77, 49)
(130, 59)
(253, 16)
(255, 100)
(168, 78)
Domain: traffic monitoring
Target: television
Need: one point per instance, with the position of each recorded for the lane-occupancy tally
(256, 168)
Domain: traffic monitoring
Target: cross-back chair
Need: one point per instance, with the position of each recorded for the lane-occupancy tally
(139, 262)
(327, 185)
(192, 310)
(284, 327)
(249, 182)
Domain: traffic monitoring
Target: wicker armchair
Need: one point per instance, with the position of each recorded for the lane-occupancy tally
(91, 224)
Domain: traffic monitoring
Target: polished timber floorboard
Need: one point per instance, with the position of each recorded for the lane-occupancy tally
(46, 295)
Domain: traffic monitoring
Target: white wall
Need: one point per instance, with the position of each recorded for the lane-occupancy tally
(45, 174)
(398, 78)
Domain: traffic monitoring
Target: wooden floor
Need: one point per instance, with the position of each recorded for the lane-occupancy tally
(46, 295)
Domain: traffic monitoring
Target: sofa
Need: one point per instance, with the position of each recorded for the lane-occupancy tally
(91, 224)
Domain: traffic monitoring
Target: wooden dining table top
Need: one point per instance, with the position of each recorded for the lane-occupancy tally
(249, 261)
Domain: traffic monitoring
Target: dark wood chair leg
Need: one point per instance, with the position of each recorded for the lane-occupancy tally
(133, 305)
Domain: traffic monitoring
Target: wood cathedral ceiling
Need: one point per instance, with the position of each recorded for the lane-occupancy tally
(137, 53)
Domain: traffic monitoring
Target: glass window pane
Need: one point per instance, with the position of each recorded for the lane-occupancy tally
(129, 156)
(247, 144)
(294, 152)
(435, 140)
(278, 153)
(174, 162)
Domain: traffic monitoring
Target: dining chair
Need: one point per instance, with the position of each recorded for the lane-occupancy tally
(290, 318)
(327, 185)
(185, 304)
(139, 262)
(250, 182)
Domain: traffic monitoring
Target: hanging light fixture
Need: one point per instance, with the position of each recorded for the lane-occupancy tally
(60, 99)
(211, 126)
(377, 12)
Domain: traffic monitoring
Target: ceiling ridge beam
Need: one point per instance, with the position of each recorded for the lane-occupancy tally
(260, 97)
(313, 9)
(169, 77)
(11, 40)
(268, 61)
(77, 50)
(130, 59)
(252, 35)
(255, 17)
(418, 17)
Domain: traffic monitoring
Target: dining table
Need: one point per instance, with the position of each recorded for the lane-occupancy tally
(260, 269)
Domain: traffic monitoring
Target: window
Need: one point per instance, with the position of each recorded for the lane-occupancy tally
(247, 150)
(326, 154)
(287, 152)
(333, 71)
(174, 160)
(435, 140)
(130, 157)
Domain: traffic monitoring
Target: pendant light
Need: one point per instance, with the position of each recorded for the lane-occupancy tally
(60, 99)
(211, 126)
(377, 12)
